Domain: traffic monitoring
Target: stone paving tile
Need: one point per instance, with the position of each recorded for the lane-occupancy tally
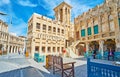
(80, 69)
(18, 61)
(5, 66)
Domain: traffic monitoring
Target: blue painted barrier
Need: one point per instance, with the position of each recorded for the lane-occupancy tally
(102, 70)
(99, 56)
(38, 57)
(88, 54)
(117, 56)
(104, 57)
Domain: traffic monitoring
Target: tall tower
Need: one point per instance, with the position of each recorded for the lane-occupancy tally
(63, 13)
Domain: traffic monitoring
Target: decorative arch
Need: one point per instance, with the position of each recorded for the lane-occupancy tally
(111, 23)
(110, 17)
(94, 45)
(110, 43)
(80, 48)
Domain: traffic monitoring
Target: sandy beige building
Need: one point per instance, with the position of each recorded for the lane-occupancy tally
(98, 28)
(8, 42)
(48, 36)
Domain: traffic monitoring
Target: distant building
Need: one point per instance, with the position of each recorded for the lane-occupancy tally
(47, 36)
(25, 42)
(14, 34)
(9, 41)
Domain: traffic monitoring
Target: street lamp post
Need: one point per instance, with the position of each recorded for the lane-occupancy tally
(2, 13)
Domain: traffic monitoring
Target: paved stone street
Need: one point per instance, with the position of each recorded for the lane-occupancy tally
(14, 62)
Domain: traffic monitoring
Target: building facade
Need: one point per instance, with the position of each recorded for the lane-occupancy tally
(99, 28)
(8, 42)
(47, 36)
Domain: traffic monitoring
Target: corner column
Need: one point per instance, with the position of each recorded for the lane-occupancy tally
(87, 46)
(101, 44)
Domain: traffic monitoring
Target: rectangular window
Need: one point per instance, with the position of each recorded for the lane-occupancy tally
(54, 29)
(44, 27)
(62, 49)
(37, 25)
(77, 35)
(54, 50)
(89, 31)
(43, 49)
(83, 33)
(49, 28)
(58, 30)
(36, 48)
(119, 21)
(96, 29)
(58, 49)
(112, 26)
(62, 31)
(49, 49)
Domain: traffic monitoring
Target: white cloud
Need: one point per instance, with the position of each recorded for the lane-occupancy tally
(18, 27)
(26, 3)
(49, 5)
(77, 7)
(2, 2)
(6, 1)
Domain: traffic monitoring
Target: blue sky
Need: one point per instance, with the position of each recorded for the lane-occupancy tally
(19, 11)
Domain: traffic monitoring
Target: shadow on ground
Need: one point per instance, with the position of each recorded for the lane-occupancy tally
(83, 59)
(80, 71)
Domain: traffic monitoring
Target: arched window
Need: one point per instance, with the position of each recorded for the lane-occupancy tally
(111, 23)
(49, 49)
(103, 18)
(58, 49)
(54, 49)
(83, 33)
(68, 11)
(43, 49)
(119, 19)
(61, 11)
(119, 14)
(96, 29)
(65, 10)
(95, 21)
(110, 17)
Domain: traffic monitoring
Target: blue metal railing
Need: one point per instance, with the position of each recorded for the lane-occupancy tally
(105, 55)
(102, 70)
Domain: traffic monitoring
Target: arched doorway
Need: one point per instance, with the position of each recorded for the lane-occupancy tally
(71, 40)
(110, 43)
(80, 49)
(94, 45)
